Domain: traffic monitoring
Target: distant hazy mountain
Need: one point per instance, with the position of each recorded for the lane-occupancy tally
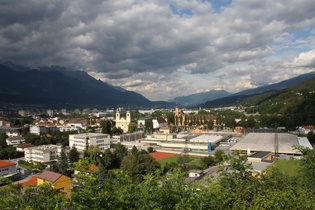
(240, 96)
(55, 84)
(198, 98)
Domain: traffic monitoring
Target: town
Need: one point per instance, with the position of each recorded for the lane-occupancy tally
(36, 146)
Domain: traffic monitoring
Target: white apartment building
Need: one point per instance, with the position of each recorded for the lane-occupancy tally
(43, 153)
(69, 128)
(15, 140)
(37, 129)
(7, 168)
(83, 140)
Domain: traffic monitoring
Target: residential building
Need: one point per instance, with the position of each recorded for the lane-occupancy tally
(37, 129)
(159, 122)
(21, 147)
(11, 131)
(15, 140)
(69, 128)
(7, 169)
(83, 140)
(50, 112)
(43, 153)
(59, 181)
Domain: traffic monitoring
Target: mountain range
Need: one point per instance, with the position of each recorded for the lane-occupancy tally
(55, 84)
(198, 98)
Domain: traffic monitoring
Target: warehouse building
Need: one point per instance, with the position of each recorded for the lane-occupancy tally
(256, 142)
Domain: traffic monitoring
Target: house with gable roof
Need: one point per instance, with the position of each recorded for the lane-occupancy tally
(59, 181)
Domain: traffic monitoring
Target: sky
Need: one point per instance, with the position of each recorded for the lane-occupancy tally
(164, 48)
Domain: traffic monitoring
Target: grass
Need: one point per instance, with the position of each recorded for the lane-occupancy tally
(22, 165)
(289, 167)
(172, 159)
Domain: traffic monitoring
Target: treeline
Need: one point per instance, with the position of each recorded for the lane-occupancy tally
(235, 188)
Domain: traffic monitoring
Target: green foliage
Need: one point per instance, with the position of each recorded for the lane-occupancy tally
(135, 187)
(106, 126)
(132, 127)
(150, 149)
(207, 161)
(33, 197)
(3, 138)
(10, 152)
(117, 131)
(148, 126)
(74, 155)
(93, 154)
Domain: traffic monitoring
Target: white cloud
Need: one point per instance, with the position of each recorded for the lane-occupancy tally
(305, 59)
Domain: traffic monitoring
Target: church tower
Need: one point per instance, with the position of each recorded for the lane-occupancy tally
(117, 116)
(128, 117)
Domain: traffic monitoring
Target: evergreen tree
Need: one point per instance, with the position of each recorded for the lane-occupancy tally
(63, 163)
(74, 155)
(106, 126)
(102, 173)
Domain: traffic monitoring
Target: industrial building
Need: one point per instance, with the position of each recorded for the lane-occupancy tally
(200, 143)
(280, 143)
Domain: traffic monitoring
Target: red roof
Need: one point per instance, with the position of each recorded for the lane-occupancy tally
(309, 127)
(31, 181)
(6, 163)
(26, 145)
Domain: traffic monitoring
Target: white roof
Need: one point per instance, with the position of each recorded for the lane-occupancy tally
(266, 142)
(304, 142)
(207, 138)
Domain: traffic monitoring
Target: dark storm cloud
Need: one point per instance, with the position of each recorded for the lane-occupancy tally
(143, 37)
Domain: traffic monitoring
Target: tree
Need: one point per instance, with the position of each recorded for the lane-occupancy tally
(102, 173)
(150, 149)
(132, 127)
(117, 131)
(108, 159)
(219, 156)
(63, 163)
(207, 161)
(106, 126)
(3, 138)
(130, 164)
(148, 126)
(119, 154)
(93, 154)
(74, 155)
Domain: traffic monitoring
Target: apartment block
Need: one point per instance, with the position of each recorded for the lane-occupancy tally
(43, 153)
(83, 140)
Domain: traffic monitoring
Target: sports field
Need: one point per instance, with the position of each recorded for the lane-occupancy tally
(164, 158)
(161, 155)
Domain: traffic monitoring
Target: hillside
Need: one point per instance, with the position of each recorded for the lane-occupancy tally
(55, 84)
(198, 98)
(285, 96)
(239, 98)
(278, 86)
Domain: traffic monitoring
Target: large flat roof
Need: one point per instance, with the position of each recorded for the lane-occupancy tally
(266, 142)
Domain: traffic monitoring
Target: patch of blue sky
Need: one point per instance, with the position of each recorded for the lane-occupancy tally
(218, 5)
(295, 41)
(180, 12)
